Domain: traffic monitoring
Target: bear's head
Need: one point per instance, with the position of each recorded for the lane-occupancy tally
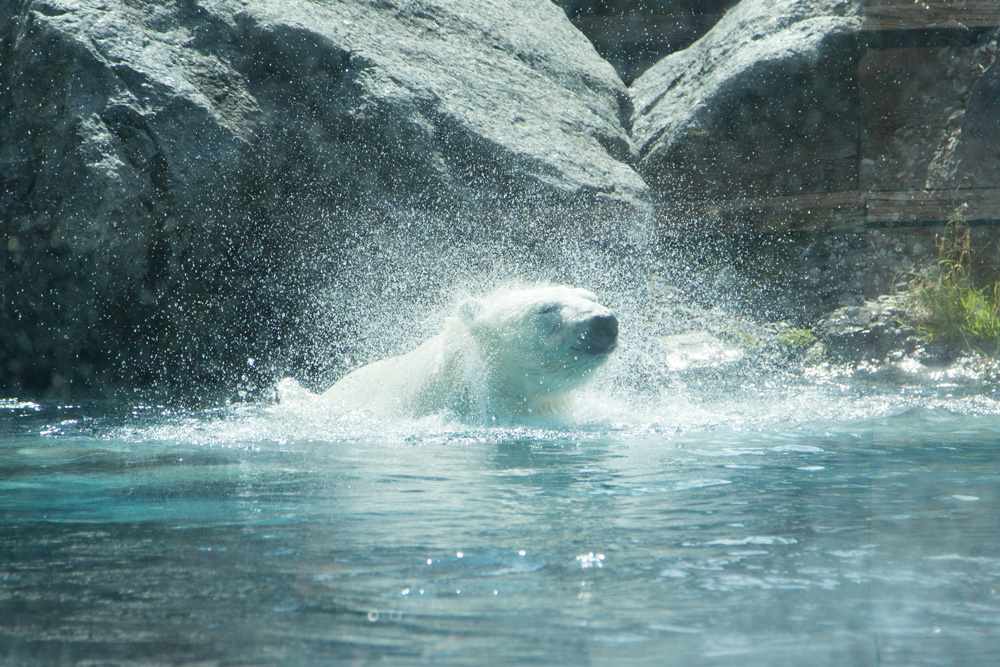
(543, 340)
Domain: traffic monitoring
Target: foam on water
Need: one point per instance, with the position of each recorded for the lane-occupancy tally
(715, 505)
(606, 407)
(642, 390)
(756, 525)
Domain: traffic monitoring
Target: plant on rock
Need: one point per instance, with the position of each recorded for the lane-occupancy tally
(961, 298)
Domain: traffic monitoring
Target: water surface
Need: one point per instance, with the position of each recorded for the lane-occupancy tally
(824, 523)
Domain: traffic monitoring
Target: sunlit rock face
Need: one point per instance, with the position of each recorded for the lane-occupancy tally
(872, 331)
(764, 104)
(969, 155)
(171, 173)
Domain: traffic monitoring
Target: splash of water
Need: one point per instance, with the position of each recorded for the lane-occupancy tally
(682, 363)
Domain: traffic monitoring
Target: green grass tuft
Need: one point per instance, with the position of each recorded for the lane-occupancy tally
(960, 307)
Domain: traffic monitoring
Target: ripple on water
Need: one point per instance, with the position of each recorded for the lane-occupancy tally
(313, 535)
(688, 485)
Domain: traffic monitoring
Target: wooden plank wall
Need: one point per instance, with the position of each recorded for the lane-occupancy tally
(908, 91)
(910, 88)
(881, 15)
(899, 119)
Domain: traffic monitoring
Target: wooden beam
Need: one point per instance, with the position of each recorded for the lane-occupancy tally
(880, 15)
(834, 211)
(842, 211)
(931, 207)
(909, 15)
(824, 200)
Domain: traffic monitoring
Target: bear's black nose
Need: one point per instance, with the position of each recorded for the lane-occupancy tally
(599, 335)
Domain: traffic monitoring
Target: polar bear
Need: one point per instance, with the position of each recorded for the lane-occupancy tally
(511, 354)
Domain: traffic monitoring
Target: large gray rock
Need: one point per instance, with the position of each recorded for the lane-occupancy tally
(170, 173)
(969, 157)
(764, 104)
(872, 331)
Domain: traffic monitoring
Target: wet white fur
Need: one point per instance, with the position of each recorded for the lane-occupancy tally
(505, 355)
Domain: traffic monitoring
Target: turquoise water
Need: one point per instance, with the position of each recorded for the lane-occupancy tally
(825, 523)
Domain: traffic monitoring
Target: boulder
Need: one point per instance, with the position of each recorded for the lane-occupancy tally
(969, 157)
(764, 104)
(875, 330)
(173, 176)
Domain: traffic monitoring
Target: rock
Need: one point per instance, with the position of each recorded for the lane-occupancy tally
(969, 156)
(764, 104)
(873, 331)
(170, 172)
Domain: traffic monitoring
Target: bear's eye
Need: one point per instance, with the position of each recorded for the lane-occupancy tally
(545, 310)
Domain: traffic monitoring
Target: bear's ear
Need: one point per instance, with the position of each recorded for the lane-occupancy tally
(468, 310)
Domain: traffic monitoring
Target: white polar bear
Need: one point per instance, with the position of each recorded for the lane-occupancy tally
(513, 353)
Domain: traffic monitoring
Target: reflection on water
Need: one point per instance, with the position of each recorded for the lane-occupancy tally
(852, 525)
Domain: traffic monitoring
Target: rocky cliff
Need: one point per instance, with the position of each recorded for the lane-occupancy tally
(184, 186)
(168, 170)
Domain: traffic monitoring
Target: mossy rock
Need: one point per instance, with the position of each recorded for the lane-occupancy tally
(796, 339)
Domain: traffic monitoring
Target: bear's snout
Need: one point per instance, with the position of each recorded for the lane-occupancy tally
(599, 334)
